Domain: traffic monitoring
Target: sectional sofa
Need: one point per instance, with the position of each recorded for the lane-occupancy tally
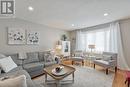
(32, 66)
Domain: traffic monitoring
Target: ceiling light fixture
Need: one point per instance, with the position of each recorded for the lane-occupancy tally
(72, 25)
(30, 8)
(105, 14)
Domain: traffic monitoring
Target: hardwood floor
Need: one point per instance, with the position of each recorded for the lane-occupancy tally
(119, 79)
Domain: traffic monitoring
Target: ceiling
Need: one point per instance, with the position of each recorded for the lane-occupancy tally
(63, 13)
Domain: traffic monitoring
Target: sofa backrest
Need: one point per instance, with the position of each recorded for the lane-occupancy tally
(41, 56)
(31, 57)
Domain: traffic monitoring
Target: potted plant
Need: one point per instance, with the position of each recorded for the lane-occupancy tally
(64, 37)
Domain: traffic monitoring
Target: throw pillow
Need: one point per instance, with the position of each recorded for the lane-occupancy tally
(48, 57)
(7, 64)
(107, 57)
(19, 81)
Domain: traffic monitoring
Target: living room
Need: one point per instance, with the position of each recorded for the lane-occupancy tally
(64, 43)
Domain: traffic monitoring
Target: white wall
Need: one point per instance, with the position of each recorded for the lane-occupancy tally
(48, 36)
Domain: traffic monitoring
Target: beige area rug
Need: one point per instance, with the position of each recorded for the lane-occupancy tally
(84, 77)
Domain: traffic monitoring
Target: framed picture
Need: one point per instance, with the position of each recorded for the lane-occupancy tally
(32, 37)
(16, 36)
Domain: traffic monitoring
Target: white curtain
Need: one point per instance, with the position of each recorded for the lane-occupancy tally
(107, 39)
(79, 44)
(117, 46)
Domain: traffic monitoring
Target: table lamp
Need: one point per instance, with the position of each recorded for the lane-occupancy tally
(22, 56)
(91, 46)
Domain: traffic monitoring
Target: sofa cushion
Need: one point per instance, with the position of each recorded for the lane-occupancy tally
(33, 66)
(15, 58)
(41, 56)
(7, 64)
(31, 57)
(19, 81)
(50, 63)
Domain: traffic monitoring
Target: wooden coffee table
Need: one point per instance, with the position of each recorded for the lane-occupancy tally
(57, 79)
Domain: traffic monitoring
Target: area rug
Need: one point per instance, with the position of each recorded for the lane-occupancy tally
(84, 77)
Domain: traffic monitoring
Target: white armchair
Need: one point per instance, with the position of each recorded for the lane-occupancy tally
(107, 61)
(77, 56)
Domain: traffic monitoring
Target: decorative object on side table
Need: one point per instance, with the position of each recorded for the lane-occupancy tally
(22, 56)
(59, 71)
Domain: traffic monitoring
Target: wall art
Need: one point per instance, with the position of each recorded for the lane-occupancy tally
(16, 36)
(32, 37)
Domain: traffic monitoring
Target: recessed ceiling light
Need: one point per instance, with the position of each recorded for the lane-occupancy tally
(30, 8)
(72, 25)
(105, 14)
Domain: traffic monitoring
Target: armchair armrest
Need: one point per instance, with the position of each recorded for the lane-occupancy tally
(0, 70)
(112, 62)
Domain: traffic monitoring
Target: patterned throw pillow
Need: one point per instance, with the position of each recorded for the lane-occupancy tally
(107, 57)
(48, 57)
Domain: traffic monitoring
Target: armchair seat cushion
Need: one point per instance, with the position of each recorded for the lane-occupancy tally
(101, 63)
(33, 67)
(77, 58)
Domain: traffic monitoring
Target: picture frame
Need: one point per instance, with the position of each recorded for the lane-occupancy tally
(16, 36)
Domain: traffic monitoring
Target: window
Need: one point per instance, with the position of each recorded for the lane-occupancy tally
(99, 38)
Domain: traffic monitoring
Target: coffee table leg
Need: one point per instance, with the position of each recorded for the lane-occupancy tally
(57, 83)
(73, 77)
(45, 77)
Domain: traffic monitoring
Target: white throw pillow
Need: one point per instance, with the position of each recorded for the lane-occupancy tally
(19, 81)
(7, 64)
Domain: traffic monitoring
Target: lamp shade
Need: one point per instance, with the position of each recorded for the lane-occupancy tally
(91, 46)
(58, 47)
(22, 55)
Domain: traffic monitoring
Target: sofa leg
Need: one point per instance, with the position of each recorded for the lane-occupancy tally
(72, 62)
(115, 69)
(82, 63)
(107, 71)
(125, 81)
(94, 66)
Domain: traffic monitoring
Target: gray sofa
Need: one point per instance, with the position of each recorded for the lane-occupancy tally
(32, 66)
(35, 62)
